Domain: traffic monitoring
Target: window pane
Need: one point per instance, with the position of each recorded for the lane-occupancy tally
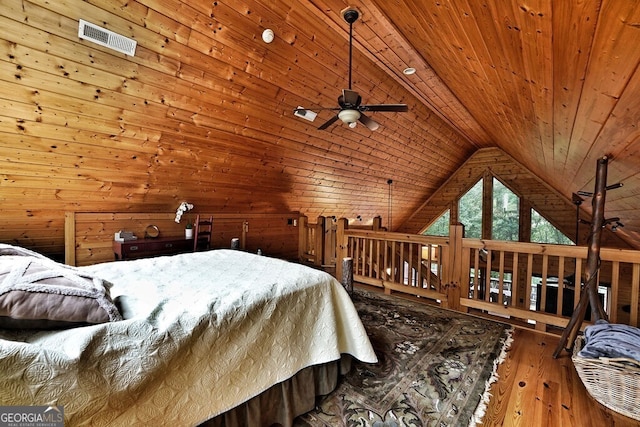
(470, 211)
(542, 231)
(440, 227)
(506, 212)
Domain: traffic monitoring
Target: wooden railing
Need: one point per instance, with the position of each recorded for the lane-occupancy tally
(318, 241)
(405, 263)
(308, 249)
(537, 283)
(528, 283)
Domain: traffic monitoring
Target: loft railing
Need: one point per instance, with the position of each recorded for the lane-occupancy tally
(537, 283)
(308, 248)
(398, 262)
(318, 240)
(528, 283)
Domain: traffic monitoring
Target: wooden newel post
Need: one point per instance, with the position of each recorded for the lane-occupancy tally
(303, 244)
(377, 224)
(589, 294)
(347, 274)
(452, 275)
(320, 242)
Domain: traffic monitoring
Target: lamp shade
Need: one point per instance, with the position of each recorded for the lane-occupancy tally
(349, 116)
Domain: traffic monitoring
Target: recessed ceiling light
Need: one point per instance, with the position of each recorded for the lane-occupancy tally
(409, 70)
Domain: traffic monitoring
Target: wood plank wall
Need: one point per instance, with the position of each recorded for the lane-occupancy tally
(91, 234)
(86, 129)
(38, 229)
(200, 114)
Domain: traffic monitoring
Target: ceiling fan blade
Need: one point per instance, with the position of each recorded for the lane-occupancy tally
(368, 122)
(328, 122)
(399, 108)
(351, 97)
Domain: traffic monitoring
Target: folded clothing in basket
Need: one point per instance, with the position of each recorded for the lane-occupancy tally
(604, 339)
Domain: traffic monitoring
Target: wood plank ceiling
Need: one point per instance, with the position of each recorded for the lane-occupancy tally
(204, 110)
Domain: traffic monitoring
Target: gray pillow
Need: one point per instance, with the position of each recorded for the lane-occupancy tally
(39, 293)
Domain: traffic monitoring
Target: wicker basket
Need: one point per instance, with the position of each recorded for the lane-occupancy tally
(613, 382)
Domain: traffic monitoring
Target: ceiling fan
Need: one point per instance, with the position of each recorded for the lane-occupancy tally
(350, 109)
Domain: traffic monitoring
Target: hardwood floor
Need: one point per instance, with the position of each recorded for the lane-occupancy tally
(534, 389)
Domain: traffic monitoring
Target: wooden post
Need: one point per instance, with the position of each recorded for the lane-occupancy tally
(377, 223)
(589, 294)
(452, 277)
(70, 238)
(593, 256)
(303, 244)
(319, 244)
(487, 203)
(329, 255)
(245, 231)
(342, 250)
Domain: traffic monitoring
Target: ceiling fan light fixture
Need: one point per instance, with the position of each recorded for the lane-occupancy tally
(351, 109)
(349, 116)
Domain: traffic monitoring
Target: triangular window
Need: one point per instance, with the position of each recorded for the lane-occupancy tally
(542, 231)
(505, 216)
(440, 227)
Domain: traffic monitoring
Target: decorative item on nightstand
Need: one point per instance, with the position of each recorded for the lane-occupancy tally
(124, 236)
(188, 231)
(151, 232)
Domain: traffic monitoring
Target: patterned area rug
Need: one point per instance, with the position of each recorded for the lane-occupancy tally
(434, 368)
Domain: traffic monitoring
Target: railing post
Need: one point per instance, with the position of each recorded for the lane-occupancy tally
(70, 238)
(342, 250)
(329, 256)
(377, 223)
(319, 243)
(245, 231)
(303, 244)
(453, 271)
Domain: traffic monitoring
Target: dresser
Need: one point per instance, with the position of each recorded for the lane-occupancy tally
(145, 248)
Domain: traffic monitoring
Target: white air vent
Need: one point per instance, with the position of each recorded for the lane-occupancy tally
(104, 37)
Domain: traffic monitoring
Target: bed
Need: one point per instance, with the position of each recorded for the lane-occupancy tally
(183, 340)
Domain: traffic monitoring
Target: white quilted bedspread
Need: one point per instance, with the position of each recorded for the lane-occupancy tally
(202, 333)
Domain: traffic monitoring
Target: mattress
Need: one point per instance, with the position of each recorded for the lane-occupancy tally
(202, 332)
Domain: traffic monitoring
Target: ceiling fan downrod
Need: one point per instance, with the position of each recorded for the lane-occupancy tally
(350, 16)
(350, 108)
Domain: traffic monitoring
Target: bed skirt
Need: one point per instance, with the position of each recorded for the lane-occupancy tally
(282, 403)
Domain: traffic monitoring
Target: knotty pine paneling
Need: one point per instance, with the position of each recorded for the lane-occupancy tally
(93, 233)
(203, 111)
(184, 118)
(40, 229)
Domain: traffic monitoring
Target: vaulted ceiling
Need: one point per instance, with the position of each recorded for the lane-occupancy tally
(553, 84)
(204, 110)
